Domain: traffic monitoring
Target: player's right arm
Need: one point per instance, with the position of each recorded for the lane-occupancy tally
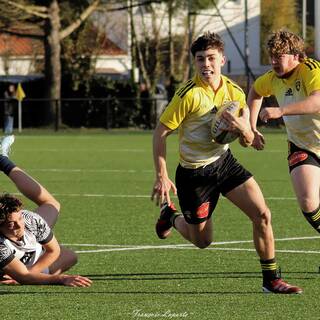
(17, 271)
(170, 120)
(163, 184)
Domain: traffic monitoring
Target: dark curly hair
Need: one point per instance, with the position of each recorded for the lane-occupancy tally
(8, 204)
(209, 40)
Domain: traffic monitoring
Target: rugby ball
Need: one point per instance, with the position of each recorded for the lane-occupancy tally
(218, 125)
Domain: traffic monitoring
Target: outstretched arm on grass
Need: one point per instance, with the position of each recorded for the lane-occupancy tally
(17, 273)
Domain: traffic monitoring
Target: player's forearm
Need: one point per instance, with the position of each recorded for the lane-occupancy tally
(308, 106)
(160, 160)
(159, 153)
(246, 137)
(45, 261)
(37, 278)
(254, 103)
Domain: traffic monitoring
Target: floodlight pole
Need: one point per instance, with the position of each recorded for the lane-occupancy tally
(304, 19)
(19, 116)
(246, 44)
(189, 39)
(132, 44)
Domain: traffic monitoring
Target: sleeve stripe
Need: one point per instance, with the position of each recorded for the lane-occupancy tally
(187, 88)
(310, 67)
(235, 86)
(49, 238)
(317, 63)
(312, 64)
(182, 88)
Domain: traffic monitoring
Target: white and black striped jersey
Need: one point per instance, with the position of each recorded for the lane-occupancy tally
(29, 248)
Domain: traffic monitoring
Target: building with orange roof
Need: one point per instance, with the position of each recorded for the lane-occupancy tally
(22, 58)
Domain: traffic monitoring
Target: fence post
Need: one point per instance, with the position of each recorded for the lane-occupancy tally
(56, 124)
(107, 114)
(19, 115)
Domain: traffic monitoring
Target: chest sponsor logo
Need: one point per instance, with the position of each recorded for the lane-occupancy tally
(27, 257)
(297, 157)
(298, 85)
(289, 92)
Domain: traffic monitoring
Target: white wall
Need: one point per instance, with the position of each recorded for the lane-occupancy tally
(17, 66)
(25, 66)
(233, 12)
(120, 63)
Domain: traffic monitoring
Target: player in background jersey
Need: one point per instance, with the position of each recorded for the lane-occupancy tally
(207, 169)
(295, 82)
(29, 252)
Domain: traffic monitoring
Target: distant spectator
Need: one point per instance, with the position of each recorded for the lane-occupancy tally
(146, 106)
(171, 87)
(9, 107)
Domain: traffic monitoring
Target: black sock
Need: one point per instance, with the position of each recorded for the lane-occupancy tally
(313, 218)
(174, 217)
(6, 165)
(269, 270)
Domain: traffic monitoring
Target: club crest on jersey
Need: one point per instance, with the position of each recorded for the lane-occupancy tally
(289, 92)
(298, 85)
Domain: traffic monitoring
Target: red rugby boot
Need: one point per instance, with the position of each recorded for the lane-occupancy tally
(280, 286)
(164, 225)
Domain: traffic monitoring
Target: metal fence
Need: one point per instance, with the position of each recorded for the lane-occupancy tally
(105, 113)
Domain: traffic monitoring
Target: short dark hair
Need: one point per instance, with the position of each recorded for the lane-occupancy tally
(209, 40)
(8, 205)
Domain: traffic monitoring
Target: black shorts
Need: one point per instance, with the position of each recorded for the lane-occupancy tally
(199, 189)
(297, 157)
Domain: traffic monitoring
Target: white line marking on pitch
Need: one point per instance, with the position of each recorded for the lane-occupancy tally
(86, 150)
(189, 248)
(110, 248)
(185, 244)
(90, 170)
(142, 196)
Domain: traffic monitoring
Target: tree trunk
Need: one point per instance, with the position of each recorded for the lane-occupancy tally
(132, 44)
(171, 47)
(53, 63)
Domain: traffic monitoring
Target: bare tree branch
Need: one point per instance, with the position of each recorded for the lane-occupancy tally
(38, 11)
(84, 15)
(138, 4)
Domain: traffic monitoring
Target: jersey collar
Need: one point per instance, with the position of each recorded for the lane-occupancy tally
(292, 77)
(199, 82)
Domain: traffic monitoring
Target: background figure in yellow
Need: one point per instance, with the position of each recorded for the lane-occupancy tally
(295, 82)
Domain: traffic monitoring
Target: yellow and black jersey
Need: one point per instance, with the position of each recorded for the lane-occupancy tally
(303, 130)
(192, 110)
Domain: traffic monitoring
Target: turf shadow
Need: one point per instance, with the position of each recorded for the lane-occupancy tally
(191, 275)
